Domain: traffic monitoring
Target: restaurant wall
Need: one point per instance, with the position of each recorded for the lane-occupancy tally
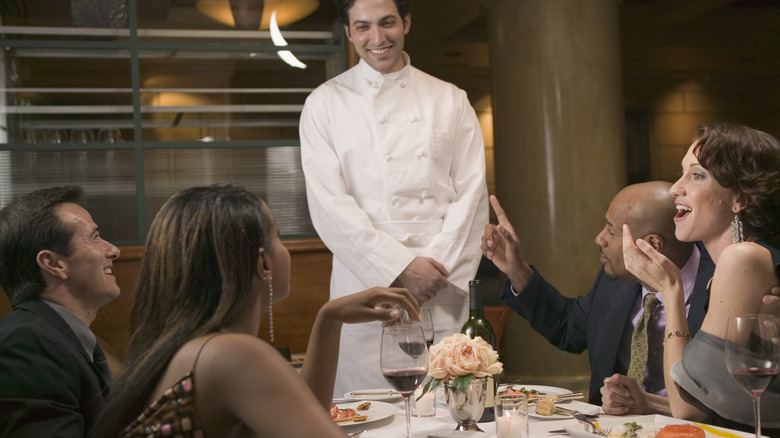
(675, 107)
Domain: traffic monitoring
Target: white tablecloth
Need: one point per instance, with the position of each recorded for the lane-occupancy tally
(395, 426)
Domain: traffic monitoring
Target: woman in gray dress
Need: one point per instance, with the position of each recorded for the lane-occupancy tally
(728, 197)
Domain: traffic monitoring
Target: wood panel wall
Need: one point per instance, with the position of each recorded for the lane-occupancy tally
(293, 317)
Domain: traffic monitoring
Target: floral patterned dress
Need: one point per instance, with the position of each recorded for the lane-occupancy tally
(174, 414)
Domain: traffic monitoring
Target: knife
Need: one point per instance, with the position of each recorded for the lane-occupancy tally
(389, 392)
(569, 396)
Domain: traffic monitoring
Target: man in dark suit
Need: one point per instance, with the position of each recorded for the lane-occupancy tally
(603, 321)
(56, 270)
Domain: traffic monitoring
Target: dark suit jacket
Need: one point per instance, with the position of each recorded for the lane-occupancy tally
(48, 385)
(596, 321)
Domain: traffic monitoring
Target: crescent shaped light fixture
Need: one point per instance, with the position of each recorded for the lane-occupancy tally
(278, 39)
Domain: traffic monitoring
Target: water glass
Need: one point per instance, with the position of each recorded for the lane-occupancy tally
(511, 415)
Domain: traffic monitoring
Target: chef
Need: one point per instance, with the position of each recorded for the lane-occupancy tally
(395, 177)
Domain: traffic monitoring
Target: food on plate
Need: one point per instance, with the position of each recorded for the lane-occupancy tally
(632, 430)
(680, 431)
(348, 414)
(546, 405)
(635, 430)
(531, 393)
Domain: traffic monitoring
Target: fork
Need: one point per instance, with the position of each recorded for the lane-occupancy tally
(356, 434)
(594, 428)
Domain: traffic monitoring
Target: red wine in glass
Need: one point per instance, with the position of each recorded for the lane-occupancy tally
(404, 361)
(754, 379)
(405, 381)
(414, 349)
(752, 358)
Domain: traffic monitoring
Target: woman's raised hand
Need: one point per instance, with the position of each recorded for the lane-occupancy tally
(375, 304)
(650, 267)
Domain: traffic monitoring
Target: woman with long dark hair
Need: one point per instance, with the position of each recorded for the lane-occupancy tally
(214, 264)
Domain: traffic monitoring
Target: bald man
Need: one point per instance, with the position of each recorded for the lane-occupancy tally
(603, 320)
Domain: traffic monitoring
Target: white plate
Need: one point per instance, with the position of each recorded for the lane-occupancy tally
(378, 394)
(545, 391)
(377, 411)
(651, 424)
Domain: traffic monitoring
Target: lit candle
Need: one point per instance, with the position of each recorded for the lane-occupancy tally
(510, 426)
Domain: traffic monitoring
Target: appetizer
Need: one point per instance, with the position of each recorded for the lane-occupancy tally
(531, 393)
(546, 405)
(348, 414)
(680, 431)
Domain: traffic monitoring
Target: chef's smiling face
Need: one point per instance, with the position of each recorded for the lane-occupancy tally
(377, 32)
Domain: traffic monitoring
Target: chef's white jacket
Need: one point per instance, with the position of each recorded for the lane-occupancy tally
(395, 168)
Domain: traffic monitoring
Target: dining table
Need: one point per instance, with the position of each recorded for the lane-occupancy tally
(442, 425)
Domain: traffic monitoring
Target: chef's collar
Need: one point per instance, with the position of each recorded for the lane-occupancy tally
(377, 77)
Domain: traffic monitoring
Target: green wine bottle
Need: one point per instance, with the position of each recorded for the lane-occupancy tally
(478, 325)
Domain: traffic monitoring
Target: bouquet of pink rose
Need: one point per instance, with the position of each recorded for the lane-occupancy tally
(458, 359)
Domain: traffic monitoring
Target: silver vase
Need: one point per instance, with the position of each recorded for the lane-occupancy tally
(466, 407)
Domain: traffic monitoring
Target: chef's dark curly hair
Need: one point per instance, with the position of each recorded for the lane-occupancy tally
(747, 162)
(343, 7)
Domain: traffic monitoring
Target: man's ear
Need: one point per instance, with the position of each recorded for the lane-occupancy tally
(655, 240)
(346, 32)
(264, 264)
(407, 23)
(51, 264)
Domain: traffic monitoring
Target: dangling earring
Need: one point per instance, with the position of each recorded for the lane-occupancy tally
(271, 308)
(736, 230)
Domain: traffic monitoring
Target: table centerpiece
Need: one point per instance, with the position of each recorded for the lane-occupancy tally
(462, 366)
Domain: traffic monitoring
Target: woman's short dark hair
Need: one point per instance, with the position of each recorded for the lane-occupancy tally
(28, 225)
(343, 7)
(747, 162)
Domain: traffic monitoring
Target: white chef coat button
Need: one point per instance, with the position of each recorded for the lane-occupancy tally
(424, 195)
(382, 121)
(403, 84)
(394, 200)
(415, 119)
(388, 158)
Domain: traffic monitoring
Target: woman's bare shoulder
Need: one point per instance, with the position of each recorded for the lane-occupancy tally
(747, 257)
(228, 350)
(743, 275)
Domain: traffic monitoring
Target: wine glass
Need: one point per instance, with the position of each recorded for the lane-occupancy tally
(404, 361)
(426, 320)
(752, 358)
(424, 405)
(110, 135)
(81, 135)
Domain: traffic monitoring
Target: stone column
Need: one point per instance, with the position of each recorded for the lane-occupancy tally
(559, 146)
